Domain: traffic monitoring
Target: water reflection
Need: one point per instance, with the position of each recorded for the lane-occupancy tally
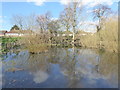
(0, 74)
(65, 67)
(40, 76)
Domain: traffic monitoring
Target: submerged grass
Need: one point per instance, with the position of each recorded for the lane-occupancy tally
(37, 48)
(35, 43)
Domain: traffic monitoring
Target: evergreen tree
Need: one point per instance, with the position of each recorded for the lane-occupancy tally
(15, 27)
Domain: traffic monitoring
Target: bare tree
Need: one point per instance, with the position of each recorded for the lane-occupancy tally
(72, 16)
(53, 26)
(18, 20)
(43, 21)
(65, 18)
(100, 12)
(30, 22)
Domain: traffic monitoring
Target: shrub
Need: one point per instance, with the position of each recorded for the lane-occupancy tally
(106, 38)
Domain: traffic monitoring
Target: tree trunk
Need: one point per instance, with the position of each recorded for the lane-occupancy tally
(73, 41)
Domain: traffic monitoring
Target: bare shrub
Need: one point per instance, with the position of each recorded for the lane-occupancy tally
(108, 36)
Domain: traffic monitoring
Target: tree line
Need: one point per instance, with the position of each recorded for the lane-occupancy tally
(70, 19)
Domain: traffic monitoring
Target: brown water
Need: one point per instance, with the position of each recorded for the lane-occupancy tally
(61, 68)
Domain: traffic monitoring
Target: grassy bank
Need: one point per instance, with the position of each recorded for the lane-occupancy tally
(8, 42)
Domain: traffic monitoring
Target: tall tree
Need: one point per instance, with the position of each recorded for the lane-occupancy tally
(30, 22)
(54, 26)
(18, 20)
(65, 18)
(101, 12)
(73, 16)
(43, 21)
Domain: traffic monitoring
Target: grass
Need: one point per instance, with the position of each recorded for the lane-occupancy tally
(5, 40)
(7, 43)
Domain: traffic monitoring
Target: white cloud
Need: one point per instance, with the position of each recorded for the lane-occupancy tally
(89, 26)
(90, 3)
(37, 2)
(65, 2)
(89, 11)
(91, 22)
(54, 19)
(1, 17)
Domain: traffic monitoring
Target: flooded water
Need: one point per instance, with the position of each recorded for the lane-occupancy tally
(60, 68)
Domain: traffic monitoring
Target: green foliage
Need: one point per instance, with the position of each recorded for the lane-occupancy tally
(9, 39)
(7, 43)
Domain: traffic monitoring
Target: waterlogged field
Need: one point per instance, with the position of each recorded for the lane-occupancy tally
(60, 68)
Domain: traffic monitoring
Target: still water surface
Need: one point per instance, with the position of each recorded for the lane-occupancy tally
(60, 68)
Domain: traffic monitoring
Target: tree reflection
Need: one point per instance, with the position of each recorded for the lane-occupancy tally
(80, 67)
(39, 66)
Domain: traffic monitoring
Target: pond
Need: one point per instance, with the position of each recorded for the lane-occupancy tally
(60, 68)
